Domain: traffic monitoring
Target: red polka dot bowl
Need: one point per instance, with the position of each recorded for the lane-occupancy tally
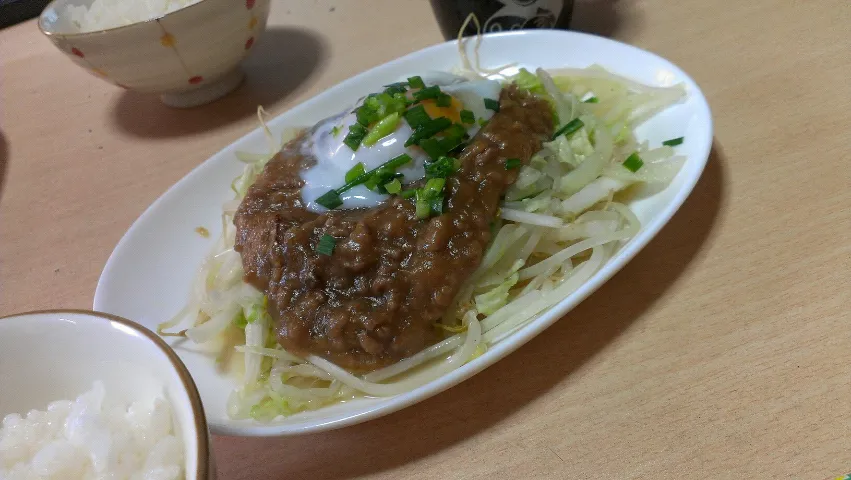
(189, 57)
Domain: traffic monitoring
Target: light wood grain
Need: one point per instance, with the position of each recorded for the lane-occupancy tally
(721, 351)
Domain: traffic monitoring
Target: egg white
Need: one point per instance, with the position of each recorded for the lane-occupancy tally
(334, 158)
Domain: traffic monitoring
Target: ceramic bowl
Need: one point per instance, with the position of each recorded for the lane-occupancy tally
(52, 355)
(189, 57)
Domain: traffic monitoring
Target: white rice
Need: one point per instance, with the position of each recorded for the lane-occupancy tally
(104, 14)
(92, 438)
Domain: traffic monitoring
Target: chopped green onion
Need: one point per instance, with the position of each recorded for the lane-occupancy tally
(428, 130)
(453, 137)
(417, 116)
(433, 187)
(326, 245)
(354, 182)
(393, 187)
(433, 148)
(436, 205)
(569, 128)
(430, 198)
(397, 162)
(451, 143)
(633, 162)
(422, 206)
(591, 100)
(673, 142)
(377, 181)
(372, 182)
(467, 117)
(492, 104)
(408, 193)
(355, 136)
(330, 200)
(377, 106)
(384, 127)
(398, 87)
(336, 130)
(355, 172)
(427, 93)
(513, 163)
(416, 82)
(385, 104)
(366, 114)
(443, 100)
(385, 173)
(395, 90)
(380, 175)
(456, 130)
(400, 103)
(442, 168)
(389, 166)
(483, 123)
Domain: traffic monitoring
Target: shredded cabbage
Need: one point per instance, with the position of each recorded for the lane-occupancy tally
(497, 297)
(528, 81)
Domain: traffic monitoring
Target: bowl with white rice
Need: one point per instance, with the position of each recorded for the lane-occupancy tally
(187, 51)
(86, 395)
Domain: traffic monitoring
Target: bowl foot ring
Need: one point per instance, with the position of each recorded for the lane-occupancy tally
(205, 93)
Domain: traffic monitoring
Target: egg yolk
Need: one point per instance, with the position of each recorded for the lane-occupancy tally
(452, 112)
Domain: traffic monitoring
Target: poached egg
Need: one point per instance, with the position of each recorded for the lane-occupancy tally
(334, 158)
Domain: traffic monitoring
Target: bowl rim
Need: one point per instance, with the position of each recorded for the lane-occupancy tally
(202, 470)
(53, 3)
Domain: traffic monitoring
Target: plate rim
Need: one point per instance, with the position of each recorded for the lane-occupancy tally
(519, 338)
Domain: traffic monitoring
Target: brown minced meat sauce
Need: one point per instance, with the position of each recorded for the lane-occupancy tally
(391, 276)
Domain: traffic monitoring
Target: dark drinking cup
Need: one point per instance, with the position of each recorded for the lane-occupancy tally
(501, 15)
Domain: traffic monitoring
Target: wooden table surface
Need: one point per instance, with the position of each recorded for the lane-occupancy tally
(721, 351)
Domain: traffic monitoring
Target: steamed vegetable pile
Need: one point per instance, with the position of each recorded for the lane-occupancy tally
(560, 222)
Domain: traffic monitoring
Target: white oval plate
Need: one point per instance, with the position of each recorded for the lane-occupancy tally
(148, 276)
